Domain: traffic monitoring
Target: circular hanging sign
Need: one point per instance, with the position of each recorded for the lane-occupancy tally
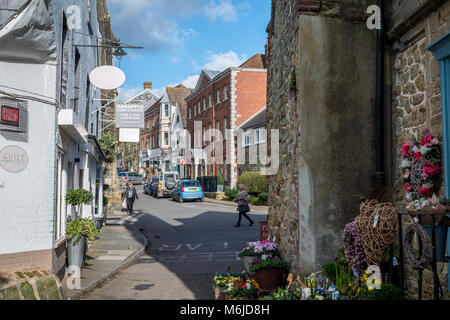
(107, 77)
(13, 159)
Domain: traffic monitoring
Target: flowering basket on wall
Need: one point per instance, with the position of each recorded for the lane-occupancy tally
(421, 167)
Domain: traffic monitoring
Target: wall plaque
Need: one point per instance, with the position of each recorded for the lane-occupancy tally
(13, 159)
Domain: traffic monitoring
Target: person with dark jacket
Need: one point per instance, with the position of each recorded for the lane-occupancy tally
(243, 208)
(130, 195)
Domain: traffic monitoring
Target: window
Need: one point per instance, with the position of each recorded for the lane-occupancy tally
(246, 138)
(166, 110)
(209, 131)
(195, 110)
(178, 118)
(218, 125)
(218, 96)
(225, 93)
(225, 127)
(166, 138)
(260, 135)
(204, 104)
(209, 101)
(199, 109)
(204, 131)
(189, 113)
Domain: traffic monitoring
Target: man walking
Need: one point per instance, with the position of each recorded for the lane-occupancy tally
(130, 195)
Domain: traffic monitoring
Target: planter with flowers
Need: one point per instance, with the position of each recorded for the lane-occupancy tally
(421, 170)
(221, 281)
(256, 249)
(268, 271)
(241, 289)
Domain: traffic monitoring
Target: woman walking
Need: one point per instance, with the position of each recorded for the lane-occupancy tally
(243, 208)
(130, 195)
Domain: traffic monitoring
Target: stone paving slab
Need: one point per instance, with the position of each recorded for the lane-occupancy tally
(117, 247)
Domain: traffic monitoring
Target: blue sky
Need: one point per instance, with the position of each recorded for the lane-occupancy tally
(182, 37)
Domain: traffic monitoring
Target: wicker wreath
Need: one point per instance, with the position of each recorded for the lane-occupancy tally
(377, 237)
(427, 246)
(353, 246)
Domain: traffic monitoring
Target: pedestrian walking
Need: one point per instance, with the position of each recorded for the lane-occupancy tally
(243, 208)
(130, 195)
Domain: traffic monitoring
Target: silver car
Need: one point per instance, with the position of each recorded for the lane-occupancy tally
(132, 177)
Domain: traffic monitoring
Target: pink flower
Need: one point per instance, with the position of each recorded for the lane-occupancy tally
(418, 155)
(434, 141)
(407, 173)
(431, 170)
(427, 192)
(406, 147)
(426, 141)
(407, 187)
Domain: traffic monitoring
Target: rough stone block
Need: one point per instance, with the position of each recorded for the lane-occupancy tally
(9, 293)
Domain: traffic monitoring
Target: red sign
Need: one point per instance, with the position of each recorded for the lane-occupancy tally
(263, 230)
(10, 115)
(182, 162)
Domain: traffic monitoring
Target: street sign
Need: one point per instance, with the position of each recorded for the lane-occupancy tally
(182, 162)
(130, 116)
(107, 77)
(128, 135)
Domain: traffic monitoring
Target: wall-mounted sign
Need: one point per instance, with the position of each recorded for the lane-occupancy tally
(13, 159)
(130, 116)
(14, 119)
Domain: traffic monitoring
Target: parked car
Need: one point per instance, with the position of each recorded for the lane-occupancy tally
(149, 186)
(188, 190)
(166, 183)
(132, 176)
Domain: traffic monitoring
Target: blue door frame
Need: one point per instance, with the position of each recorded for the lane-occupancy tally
(441, 50)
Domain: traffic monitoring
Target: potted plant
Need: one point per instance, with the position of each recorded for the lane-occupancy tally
(268, 271)
(256, 249)
(241, 289)
(221, 281)
(78, 232)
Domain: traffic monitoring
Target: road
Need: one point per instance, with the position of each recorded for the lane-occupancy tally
(189, 242)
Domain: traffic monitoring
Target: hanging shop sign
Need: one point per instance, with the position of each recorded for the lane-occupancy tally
(13, 159)
(14, 119)
(128, 135)
(130, 116)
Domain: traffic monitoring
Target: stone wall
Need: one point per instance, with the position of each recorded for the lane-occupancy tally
(416, 99)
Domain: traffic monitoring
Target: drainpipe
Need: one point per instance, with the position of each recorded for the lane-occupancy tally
(379, 174)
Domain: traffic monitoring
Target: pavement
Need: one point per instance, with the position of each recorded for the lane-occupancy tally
(234, 204)
(189, 242)
(119, 244)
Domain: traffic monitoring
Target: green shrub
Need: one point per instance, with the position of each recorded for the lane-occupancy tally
(75, 229)
(329, 271)
(231, 194)
(263, 196)
(254, 181)
(220, 179)
(108, 144)
(78, 197)
(254, 200)
(105, 201)
(386, 292)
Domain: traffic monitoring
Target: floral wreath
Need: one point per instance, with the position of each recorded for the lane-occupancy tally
(427, 153)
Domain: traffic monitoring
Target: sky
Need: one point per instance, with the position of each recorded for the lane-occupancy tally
(182, 37)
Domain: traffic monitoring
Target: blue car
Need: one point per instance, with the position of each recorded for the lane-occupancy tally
(188, 189)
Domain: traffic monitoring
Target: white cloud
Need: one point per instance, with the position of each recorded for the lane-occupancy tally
(222, 61)
(225, 10)
(127, 92)
(190, 81)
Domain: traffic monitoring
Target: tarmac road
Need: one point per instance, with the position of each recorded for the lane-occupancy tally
(188, 243)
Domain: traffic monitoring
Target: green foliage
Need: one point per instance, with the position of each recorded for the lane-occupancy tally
(220, 179)
(344, 277)
(254, 200)
(329, 270)
(274, 262)
(75, 229)
(222, 279)
(254, 181)
(386, 292)
(105, 201)
(78, 197)
(107, 143)
(231, 194)
(285, 294)
(263, 196)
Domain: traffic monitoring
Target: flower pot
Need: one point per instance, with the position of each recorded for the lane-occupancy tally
(219, 293)
(441, 240)
(75, 253)
(247, 261)
(270, 278)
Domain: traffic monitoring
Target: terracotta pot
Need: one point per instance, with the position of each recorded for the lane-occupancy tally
(219, 293)
(270, 278)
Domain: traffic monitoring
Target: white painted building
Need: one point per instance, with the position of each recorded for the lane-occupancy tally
(54, 146)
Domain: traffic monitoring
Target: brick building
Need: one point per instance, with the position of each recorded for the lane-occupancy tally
(220, 101)
(322, 94)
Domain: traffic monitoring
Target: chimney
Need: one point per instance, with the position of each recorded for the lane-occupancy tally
(147, 85)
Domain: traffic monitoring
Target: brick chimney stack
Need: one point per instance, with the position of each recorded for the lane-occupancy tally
(147, 85)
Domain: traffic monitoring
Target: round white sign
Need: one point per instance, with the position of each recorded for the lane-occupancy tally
(107, 77)
(13, 159)
(182, 162)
